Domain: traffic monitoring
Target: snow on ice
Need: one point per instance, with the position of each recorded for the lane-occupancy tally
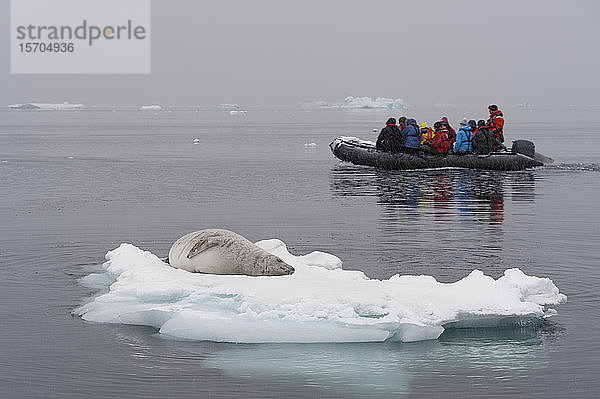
(320, 302)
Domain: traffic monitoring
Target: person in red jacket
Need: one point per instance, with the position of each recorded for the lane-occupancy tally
(441, 142)
(496, 126)
(451, 131)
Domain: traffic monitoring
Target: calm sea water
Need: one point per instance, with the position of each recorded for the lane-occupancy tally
(77, 184)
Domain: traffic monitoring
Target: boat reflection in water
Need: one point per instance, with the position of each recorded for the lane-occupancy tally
(451, 218)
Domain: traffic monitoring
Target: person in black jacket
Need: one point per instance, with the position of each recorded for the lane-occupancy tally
(482, 139)
(389, 139)
(402, 122)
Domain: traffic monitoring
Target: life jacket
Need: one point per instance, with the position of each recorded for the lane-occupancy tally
(442, 142)
(469, 140)
(392, 124)
(389, 139)
(427, 135)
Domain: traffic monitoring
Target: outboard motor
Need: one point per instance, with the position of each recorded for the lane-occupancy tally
(524, 147)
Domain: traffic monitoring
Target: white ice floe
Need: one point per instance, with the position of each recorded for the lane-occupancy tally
(196, 141)
(234, 112)
(368, 102)
(153, 107)
(310, 145)
(47, 106)
(320, 302)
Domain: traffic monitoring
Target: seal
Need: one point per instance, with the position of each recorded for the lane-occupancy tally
(219, 251)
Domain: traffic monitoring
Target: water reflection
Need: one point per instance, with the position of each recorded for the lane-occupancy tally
(473, 195)
(469, 193)
(452, 218)
(384, 369)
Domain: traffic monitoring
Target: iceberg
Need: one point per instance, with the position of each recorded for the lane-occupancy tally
(368, 102)
(153, 107)
(320, 302)
(47, 106)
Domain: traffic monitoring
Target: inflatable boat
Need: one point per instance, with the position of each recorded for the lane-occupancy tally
(361, 152)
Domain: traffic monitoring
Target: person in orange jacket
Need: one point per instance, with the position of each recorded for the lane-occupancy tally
(496, 125)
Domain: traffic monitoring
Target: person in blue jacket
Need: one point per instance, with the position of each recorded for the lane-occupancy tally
(412, 137)
(464, 139)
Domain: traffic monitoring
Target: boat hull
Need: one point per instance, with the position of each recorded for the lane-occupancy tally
(360, 152)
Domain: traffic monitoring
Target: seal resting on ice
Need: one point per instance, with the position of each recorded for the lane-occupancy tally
(219, 251)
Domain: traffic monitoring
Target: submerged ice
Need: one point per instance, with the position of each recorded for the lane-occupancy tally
(320, 302)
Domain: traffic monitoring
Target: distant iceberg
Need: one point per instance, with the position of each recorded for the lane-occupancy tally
(153, 107)
(229, 106)
(47, 106)
(368, 102)
(320, 302)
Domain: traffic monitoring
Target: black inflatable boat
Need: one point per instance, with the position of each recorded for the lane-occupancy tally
(361, 152)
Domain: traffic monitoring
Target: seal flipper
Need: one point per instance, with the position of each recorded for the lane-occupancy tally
(203, 245)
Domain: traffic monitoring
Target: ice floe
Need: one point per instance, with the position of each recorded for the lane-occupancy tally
(320, 302)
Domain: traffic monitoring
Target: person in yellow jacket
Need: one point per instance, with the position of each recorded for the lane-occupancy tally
(427, 134)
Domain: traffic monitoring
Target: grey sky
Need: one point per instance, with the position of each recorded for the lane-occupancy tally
(258, 52)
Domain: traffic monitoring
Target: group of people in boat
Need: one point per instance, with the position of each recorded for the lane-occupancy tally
(480, 137)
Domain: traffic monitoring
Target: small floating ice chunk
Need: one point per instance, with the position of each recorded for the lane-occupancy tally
(196, 141)
(237, 112)
(310, 145)
(374, 130)
(229, 106)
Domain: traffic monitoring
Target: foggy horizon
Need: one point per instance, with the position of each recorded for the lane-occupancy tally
(274, 53)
